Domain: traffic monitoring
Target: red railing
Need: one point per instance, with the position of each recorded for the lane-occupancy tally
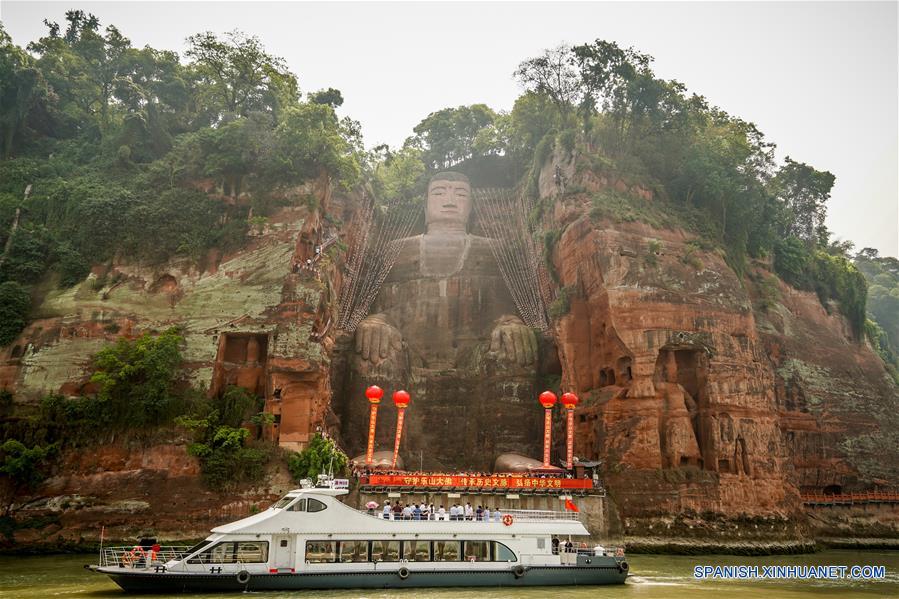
(850, 498)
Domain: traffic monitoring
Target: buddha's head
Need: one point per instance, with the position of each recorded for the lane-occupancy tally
(449, 202)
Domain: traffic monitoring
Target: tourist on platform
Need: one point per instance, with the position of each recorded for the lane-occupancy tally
(441, 513)
(397, 511)
(430, 511)
(456, 513)
(479, 513)
(486, 514)
(407, 512)
(469, 512)
(416, 512)
(497, 515)
(386, 511)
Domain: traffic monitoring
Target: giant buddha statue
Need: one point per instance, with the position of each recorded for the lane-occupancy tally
(445, 328)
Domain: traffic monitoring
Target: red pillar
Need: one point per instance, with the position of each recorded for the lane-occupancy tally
(401, 400)
(547, 400)
(570, 401)
(374, 394)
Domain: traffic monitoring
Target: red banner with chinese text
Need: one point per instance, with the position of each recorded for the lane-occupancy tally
(485, 482)
(569, 455)
(399, 435)
(547, 436)
(372, 419)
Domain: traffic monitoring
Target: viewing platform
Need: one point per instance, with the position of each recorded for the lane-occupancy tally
(488, 484)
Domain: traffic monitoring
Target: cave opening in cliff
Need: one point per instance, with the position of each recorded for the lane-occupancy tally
(241, 362)
(680, 378)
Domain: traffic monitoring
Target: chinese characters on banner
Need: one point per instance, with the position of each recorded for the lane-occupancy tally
(484, 482)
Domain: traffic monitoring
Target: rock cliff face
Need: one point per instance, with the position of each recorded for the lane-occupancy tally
(702, 395)
(695, 396)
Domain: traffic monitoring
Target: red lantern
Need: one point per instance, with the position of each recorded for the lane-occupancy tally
(547, 399)
(401, 399)
(374, 394)
(569, 400)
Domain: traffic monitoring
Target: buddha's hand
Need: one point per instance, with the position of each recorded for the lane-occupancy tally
(376, 339)
(513, 341)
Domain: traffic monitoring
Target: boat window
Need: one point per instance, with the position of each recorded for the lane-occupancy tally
(417, 551)
(320, 552)
(197, 547)
(283, 502)
(299, 506)
(231, 552)
(446, 551)
(501, 553)
(252, 552)
(385, 551)
(315, 505)
(354, 551)
(477, 551)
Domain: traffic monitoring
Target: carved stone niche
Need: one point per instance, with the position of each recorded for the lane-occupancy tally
(241, 361)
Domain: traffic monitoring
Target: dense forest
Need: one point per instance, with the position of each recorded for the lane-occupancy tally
(103, 145)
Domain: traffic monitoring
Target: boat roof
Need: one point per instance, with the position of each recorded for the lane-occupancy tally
(339, 518)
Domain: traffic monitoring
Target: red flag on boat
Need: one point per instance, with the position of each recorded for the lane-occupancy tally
(569, 505)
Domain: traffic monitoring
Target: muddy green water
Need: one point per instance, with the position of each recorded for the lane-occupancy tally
(653, 576)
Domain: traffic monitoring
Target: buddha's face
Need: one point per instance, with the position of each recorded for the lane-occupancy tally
(449, 205)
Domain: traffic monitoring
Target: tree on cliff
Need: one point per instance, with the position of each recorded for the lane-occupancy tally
(23, 91)
(237, 76)
(14, 307)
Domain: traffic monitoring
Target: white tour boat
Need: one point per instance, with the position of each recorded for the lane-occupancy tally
(311, 540)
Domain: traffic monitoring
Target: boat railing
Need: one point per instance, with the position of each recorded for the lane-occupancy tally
(517, 516)
(141, 557)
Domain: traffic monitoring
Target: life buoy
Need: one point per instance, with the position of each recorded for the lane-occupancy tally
(134, 556)
(243, 577)
(403, 573)
(622, 567)
(519, 571)
(508, 520)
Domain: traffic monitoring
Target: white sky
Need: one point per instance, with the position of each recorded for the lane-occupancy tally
(819, 79)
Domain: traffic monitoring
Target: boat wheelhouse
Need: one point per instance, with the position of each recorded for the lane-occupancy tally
(310, 539)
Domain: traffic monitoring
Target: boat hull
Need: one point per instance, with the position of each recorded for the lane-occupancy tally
(170, 582)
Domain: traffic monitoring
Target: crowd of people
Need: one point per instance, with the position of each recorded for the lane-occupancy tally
(427, 511)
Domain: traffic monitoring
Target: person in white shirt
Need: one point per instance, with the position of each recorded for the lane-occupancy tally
(486, 514)
(441, 513)
(386, 512)
(497, 515)
(469, 513)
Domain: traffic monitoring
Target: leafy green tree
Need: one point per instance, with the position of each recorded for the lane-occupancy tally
(321, 456)
(448, 137)
(401, 176)
(311, 143)
(803, 192)
(237, 76)
(25, 466)
(329, 97)
(552, 74)
(14, 307)
(137, 378)
(22, 88)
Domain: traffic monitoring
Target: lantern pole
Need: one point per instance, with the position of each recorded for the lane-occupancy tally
(570, 401)
(401, 400)
(547, 400)
(373, 394)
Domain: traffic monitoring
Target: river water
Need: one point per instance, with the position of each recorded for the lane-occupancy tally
(653, 576)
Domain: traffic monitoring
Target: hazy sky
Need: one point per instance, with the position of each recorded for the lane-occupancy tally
(819, 79)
